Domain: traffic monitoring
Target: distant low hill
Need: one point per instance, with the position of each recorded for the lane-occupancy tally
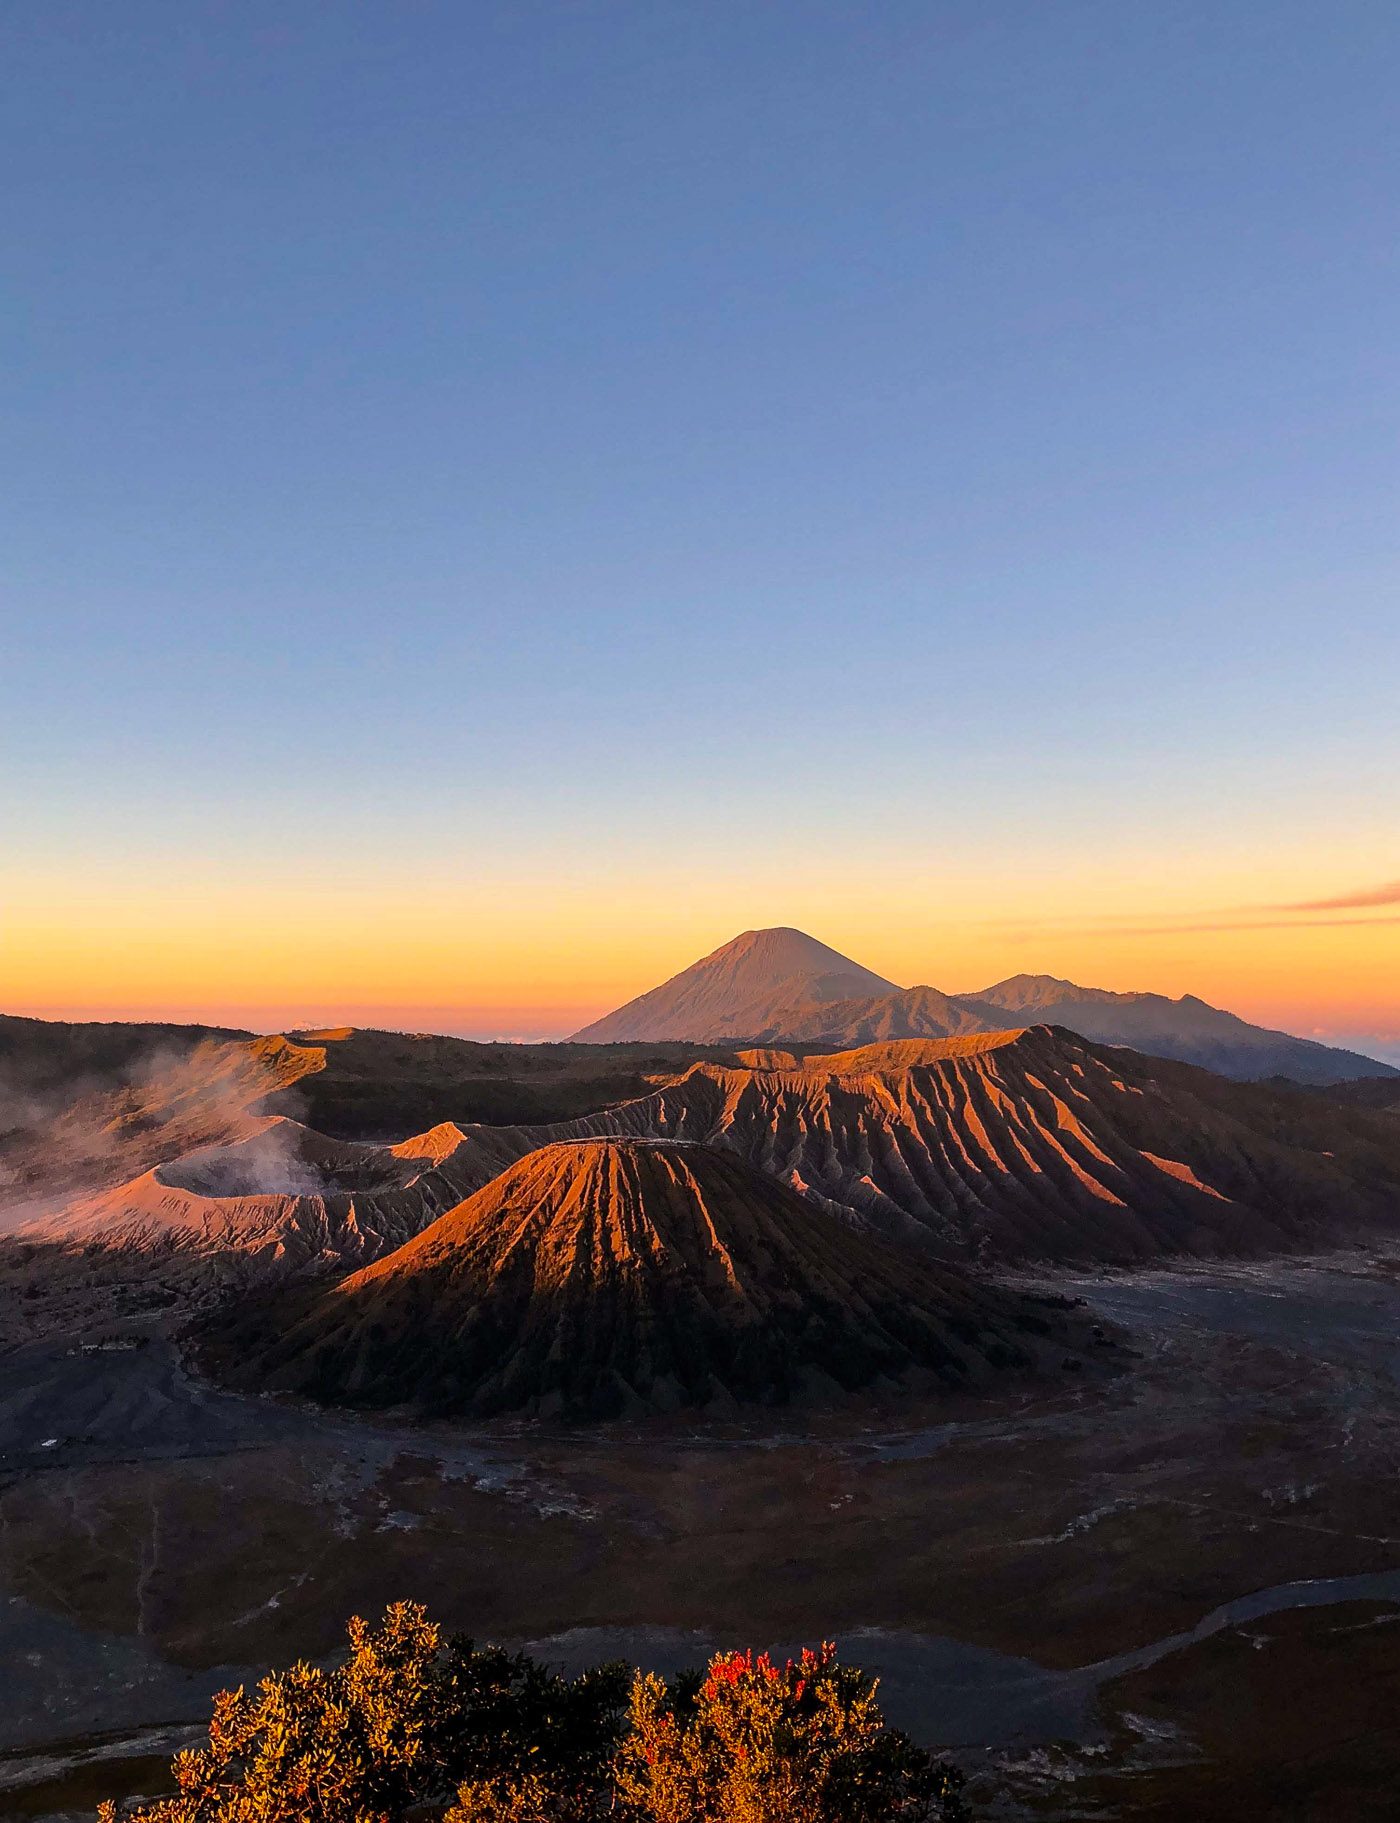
(1368, 1092)
(617, 1277)
(763, 989)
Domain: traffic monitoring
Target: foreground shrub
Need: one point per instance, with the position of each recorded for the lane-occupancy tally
(399, 1725)
(409, 1725)
(756, 1744)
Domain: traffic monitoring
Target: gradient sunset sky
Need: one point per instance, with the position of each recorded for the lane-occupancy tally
(496, 499)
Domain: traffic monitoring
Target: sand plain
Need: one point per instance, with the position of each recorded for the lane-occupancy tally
(1112, 1597)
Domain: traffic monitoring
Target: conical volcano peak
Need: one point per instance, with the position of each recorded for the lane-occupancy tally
(608, 1277)
(779, 987)
(600, 1205)
(739, 990)
(780, 953)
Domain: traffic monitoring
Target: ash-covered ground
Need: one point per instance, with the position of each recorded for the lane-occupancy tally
(1169, 1589)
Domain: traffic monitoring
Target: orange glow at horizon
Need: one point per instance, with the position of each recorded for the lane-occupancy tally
(526, 961)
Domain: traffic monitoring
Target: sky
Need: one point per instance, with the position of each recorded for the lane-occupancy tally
(496, 499)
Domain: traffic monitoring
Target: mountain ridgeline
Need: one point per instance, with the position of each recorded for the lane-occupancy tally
(1030, 1145)
(779, 986)
(1036, 1145)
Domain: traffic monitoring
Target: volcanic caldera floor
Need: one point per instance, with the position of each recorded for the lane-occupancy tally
(1100, 1593)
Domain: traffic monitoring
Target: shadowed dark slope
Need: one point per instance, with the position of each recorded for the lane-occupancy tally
(1378, 1093)
(379, 1085)
(620, 1276)
(39, 1056)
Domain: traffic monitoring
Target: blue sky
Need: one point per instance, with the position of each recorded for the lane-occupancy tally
(562, 449)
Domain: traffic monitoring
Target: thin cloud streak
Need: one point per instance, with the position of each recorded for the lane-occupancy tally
(1127, 927)
(1171, 930)
(1223, 919)
(1375, 895)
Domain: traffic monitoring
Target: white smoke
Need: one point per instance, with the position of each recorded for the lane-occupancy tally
(96, 1130)
(273, 1164)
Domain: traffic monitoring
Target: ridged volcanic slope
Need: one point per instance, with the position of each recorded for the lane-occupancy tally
(1018, 1146)
(613, 1277)
(1038, 1145)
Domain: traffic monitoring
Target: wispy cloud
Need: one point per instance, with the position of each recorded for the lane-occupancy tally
(1171, 930)
(1374, 895)
(1223, 918)
(1145, 926)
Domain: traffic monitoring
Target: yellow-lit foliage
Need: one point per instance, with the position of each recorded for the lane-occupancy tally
(525, 1798)
(318, 1746)
(407, 1720)
(758, 1744)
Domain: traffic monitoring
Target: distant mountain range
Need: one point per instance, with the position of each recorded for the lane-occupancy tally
(783, 987)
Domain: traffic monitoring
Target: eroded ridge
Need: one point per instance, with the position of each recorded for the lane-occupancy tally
(1036, 1144)
(616, 1276)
